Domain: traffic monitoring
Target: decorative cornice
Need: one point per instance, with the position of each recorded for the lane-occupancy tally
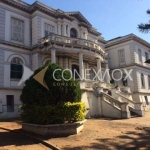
(15, 45)
(131, 65)
(126, 38)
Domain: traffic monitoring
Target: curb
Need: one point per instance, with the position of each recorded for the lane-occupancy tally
(47, 144)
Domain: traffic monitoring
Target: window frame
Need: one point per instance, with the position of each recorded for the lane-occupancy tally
(146, 56)
(121, 58)
(140, 55)
(148, 81)
(22, 30)
(48, 31)
(142, 80)
(14, 67)
(10, 108)
(146, 100)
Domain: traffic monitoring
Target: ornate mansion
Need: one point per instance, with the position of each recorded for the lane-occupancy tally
(36, 34)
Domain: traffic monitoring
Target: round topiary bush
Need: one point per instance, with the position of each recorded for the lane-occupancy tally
(59, 91)
(58, 104)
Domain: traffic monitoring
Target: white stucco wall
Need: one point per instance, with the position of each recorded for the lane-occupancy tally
(3, 104)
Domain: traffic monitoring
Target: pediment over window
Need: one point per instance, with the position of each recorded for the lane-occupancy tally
(79, 17)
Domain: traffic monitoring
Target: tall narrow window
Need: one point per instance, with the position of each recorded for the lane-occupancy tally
(149, 81)
(17, 29)
(140, 55)
(146, 56)
(142, 80)
(49, 29)
(146, 100)
(10, 103)
(121, 56)
(16, 68)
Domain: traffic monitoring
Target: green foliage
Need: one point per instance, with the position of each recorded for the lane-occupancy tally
(145, 27)
(66, 112)
(61, 103)
(59, 91)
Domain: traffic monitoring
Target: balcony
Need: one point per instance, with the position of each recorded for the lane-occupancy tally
(81, 43)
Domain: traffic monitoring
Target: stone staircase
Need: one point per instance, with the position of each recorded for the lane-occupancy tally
(116, 105)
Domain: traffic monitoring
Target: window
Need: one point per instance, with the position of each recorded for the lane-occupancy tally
(149, 81)
(146, 56)
(140, 55)
(17, 29)
(121, 56)
(142, 80)
(48, 61)
(73, 33)
(146, 100)
(49, 29)
(16, 68)
(10, 103)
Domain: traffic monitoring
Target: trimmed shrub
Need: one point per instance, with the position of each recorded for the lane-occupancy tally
(60, 104)
(59, 91)
(67, 112)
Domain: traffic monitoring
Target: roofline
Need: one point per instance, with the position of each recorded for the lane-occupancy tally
(126, 38)
(79, 13)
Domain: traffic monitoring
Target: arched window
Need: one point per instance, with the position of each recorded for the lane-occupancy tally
(16, 68)
(73, 33)
(47, 61)
(142, 79)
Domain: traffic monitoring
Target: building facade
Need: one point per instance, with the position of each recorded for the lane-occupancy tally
(33, 35)
(131, 52)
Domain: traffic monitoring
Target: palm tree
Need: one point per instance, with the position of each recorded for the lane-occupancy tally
(145, 27)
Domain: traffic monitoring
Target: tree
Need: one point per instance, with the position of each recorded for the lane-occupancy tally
(145, 27)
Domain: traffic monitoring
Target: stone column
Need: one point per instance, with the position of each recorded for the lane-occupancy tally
(66, 65)
(70, 66)
(64, 29)
(99, 70)
(81, 66)
(61, 62)
(53, 56)
(107, 75)
(68, 32)
(59, 29)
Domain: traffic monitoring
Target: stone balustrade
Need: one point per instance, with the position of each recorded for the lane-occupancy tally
(73, 41)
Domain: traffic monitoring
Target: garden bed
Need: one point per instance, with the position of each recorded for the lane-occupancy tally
(55, 129)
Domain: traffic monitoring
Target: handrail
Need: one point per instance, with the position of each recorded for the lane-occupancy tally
(111, 97)
(125, 98)
(114, 102)
(131, 103)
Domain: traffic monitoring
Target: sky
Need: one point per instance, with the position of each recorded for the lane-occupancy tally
(112, 18)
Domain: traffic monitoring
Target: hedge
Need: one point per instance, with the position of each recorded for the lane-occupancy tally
(61, 113)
